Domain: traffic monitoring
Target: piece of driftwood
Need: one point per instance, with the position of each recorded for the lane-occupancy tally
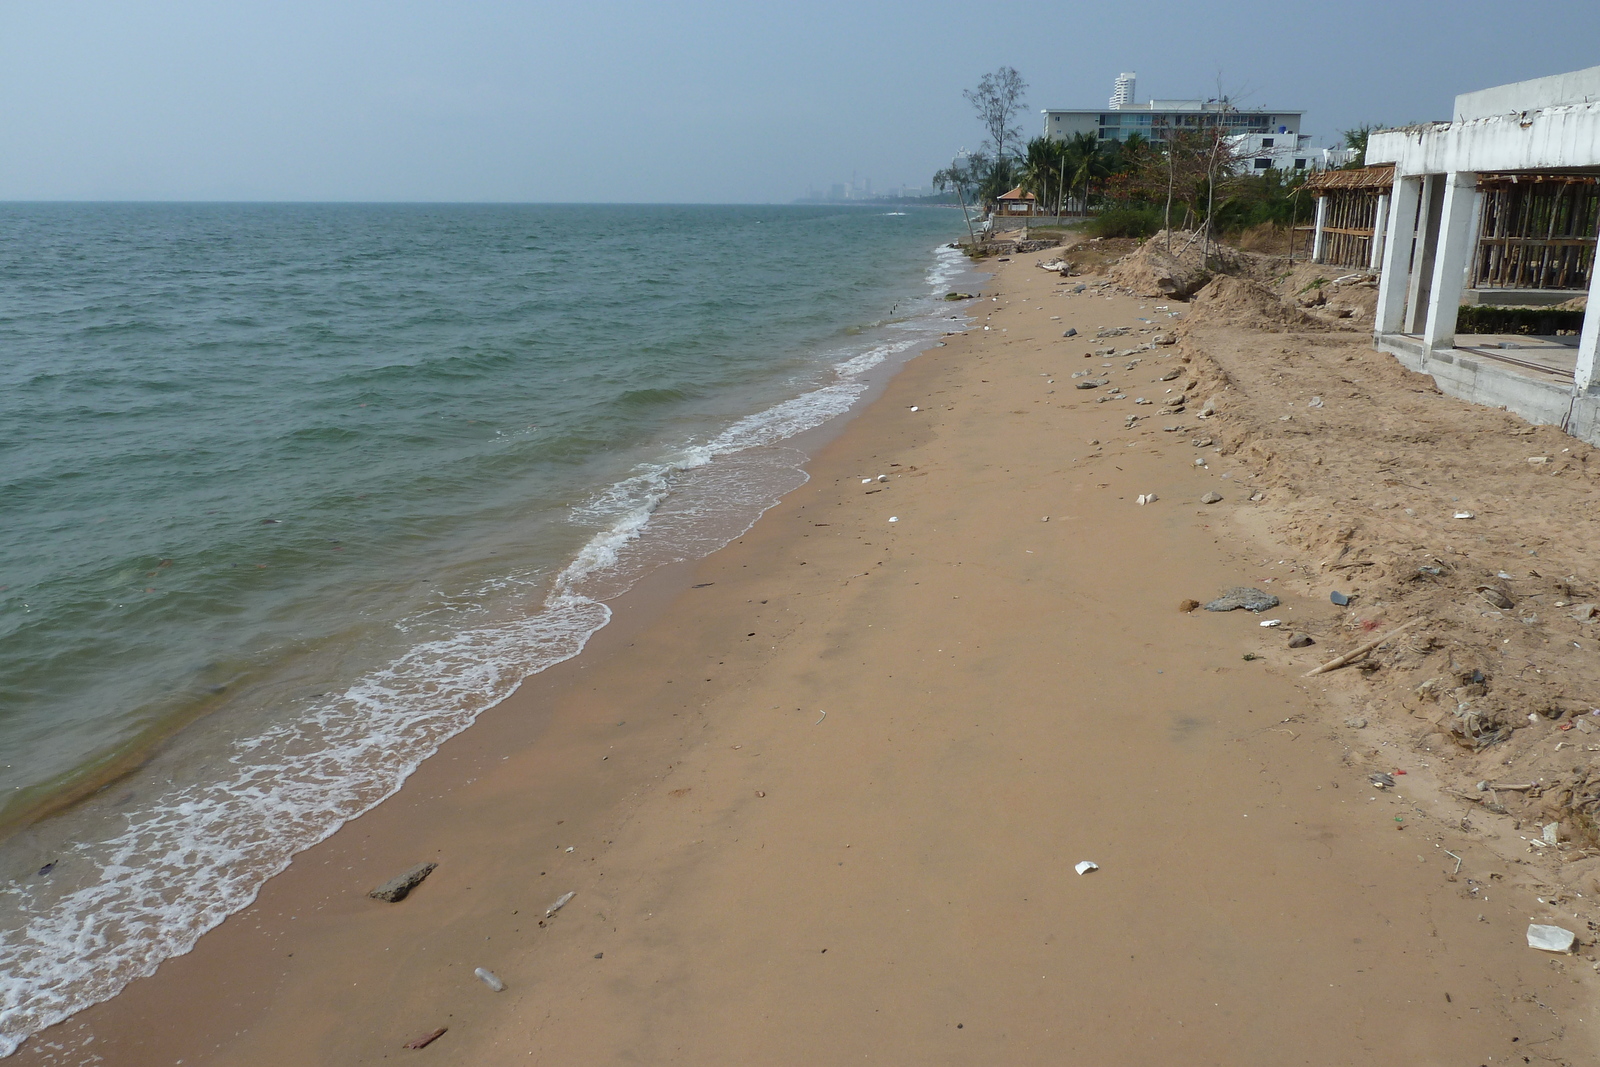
(1360, 650)
(396, 888)
(426, 1039)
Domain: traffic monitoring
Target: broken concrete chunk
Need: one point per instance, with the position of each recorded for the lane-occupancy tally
(396, 888)
(1495, 597)
(1243, 597)
(1212, 497)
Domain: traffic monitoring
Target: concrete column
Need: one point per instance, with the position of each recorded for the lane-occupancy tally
(1380, 224)
(1587, 374)
(1424, 254)
(1398, 236)
(1458, 218)
(1319, 242)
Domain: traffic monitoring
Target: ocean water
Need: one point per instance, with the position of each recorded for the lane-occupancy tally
(289, 494)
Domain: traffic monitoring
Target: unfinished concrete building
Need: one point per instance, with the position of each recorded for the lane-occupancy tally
(1499, 205)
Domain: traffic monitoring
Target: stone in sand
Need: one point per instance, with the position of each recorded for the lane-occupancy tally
(1243, 597)
(1301, 641)
(1188, 605)
(1211, 498)
(396, 888)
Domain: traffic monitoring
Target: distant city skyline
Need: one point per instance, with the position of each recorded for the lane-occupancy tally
(624, 101)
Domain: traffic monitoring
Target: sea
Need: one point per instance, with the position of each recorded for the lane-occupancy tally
(291, 493)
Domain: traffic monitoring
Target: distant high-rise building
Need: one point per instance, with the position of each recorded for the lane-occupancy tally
(1122, 95)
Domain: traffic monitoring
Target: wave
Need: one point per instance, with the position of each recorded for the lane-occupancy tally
(146, 886)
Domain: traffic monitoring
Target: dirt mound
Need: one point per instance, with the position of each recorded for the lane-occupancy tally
(1577, 303)
(1230, 301)
(1152, 270)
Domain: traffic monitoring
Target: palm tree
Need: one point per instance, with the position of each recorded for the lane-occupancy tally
(1086, 160)
(1044, 171)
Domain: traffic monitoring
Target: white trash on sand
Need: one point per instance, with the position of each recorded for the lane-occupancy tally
(1550, 938)
(1085, 866)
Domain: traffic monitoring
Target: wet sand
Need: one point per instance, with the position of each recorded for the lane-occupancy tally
(824, 791)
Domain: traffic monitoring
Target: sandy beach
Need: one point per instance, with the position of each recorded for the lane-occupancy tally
(821, 795)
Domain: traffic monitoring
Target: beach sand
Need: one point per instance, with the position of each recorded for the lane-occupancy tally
(820, 795)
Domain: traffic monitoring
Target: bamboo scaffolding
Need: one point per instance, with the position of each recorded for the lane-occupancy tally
(1537, 232)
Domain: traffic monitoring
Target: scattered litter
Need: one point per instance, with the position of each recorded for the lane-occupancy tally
(1271, 622)
(1071, 332)
(490, 979)
(866, 481)
(1314, 402)
(1339, 598)
(913, 406)
(1243, 597)
(1552, 833)
(560, 903)
(1465, 515)
(426, 1039)
(894, 518)
(396, 888)
(883, 477)
(1550, 938)
(1145, 498)
(1361, 650)
(1381, 780)
(1044, 518)
(1085, 866)
(1212, 497)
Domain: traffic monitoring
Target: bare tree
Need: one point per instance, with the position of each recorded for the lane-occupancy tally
(998, 100)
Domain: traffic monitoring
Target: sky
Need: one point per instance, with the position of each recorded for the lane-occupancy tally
(642, 101)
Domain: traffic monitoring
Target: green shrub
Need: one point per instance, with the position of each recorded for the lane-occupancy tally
(1141, 221)
(1483, 318)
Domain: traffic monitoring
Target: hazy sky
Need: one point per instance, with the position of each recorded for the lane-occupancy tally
(650, 100)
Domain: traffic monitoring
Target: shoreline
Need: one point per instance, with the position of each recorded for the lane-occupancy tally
(745, 869)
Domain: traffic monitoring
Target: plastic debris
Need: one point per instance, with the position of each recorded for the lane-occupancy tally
(490, 979)
(1550, 938)
(560, 903)
(1271, 622)
(1145, 498)
(894, 518)
(1381, 780)
(1085, 866)
(1465, 515)
(1552, 833)
(1338, 598)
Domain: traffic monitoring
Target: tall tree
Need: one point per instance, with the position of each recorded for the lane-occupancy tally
(998, 101)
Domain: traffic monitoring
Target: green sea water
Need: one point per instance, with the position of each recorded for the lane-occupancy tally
(290, 493)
